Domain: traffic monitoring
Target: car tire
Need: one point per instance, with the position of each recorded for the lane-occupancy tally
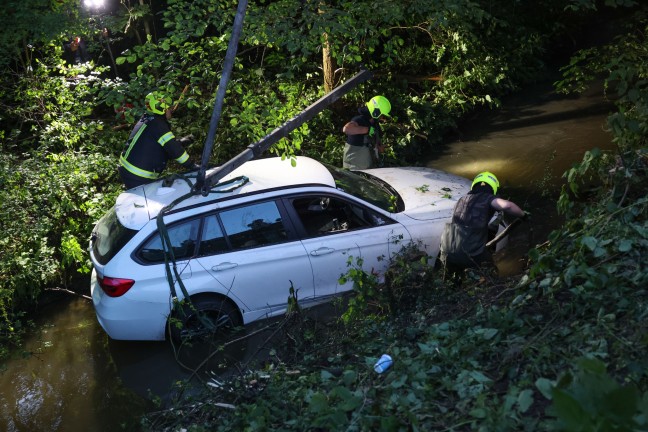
(219, 317)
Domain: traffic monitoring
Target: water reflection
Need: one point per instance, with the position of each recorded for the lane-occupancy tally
(154, 368)
(534, 138)
(77, 379)
(68, 382)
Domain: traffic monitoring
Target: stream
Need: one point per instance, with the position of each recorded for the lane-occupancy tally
(72, 377)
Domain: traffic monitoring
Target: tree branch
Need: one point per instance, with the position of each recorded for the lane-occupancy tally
(65, 290)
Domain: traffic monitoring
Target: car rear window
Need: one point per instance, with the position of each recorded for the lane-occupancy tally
(183, 237)
(368, 188)
(109, 237)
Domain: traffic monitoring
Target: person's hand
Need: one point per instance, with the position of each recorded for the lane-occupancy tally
(186, 139)
(191, 165)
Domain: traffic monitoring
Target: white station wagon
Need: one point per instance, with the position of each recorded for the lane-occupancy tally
(266, 227)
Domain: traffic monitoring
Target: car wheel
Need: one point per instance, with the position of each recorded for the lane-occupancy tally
(203, 318)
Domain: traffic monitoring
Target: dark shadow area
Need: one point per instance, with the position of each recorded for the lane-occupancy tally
(526, 118)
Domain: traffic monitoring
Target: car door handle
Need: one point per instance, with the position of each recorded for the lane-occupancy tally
(224, 266)
(322, 251)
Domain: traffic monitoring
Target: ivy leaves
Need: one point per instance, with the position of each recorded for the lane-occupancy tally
(589, 399)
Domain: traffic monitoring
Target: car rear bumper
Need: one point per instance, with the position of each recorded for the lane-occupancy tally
(124, 318)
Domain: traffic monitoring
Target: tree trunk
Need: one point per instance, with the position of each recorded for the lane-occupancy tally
(147, 25)
(328, 65)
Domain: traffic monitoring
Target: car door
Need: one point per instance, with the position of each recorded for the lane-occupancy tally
(249, 254)
(338, 233)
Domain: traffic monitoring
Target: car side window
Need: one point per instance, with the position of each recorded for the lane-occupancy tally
(325, 214)
(183, 237)
(212, 238)
(254, 225)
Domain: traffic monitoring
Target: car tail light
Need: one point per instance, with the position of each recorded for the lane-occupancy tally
(115, 287)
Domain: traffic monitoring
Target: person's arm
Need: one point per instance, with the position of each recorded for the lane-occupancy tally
(172, 146)
(353, 128)
(508, 207)
(378, 139)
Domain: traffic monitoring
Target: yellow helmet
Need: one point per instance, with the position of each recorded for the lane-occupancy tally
(157, 102)
(488, 178)
(379, 105)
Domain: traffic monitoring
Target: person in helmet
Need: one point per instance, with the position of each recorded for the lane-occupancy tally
(364, 134)
(151, 144)
(463, 242)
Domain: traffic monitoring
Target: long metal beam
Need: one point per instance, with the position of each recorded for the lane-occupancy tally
(228, 64)
(258, 148)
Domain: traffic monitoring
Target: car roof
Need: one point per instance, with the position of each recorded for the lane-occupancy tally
(137, 206)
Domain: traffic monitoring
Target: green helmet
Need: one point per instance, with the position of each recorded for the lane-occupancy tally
(157, 102)
(379, 105)
(488, 178)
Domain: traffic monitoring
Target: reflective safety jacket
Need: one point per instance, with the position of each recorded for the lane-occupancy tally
(466, 236)
(150, 145)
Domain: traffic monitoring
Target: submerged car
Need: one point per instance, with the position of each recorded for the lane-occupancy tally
(268, 226)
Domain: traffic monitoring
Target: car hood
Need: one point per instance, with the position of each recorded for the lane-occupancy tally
(427, 193)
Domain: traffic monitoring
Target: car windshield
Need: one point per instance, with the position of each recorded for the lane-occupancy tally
(368, 188)
(109, 236)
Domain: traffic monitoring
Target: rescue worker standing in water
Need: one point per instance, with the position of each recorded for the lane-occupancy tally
(463, 242)
(364, 134)
(151, 144)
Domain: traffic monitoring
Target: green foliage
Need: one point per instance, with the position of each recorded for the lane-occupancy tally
(54, 108)
(29, 26)
(365, 288)
(579, 5)
(590, 400)
(407, 269)
(49, 205)
(468, 357)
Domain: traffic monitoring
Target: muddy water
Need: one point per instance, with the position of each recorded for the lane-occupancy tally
(76, 379)
(67, 380)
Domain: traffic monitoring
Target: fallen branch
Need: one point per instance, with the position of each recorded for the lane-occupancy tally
(501, 235)
(65, 290)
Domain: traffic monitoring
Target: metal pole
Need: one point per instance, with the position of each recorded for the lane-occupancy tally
(220, 94)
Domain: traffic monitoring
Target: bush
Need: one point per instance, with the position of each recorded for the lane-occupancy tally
(50, 203)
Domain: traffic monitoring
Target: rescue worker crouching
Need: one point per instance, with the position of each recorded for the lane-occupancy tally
(463, 242)
(364, 134)
(151, 144)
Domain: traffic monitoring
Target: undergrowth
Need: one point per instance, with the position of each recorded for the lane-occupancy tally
(490, 355)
